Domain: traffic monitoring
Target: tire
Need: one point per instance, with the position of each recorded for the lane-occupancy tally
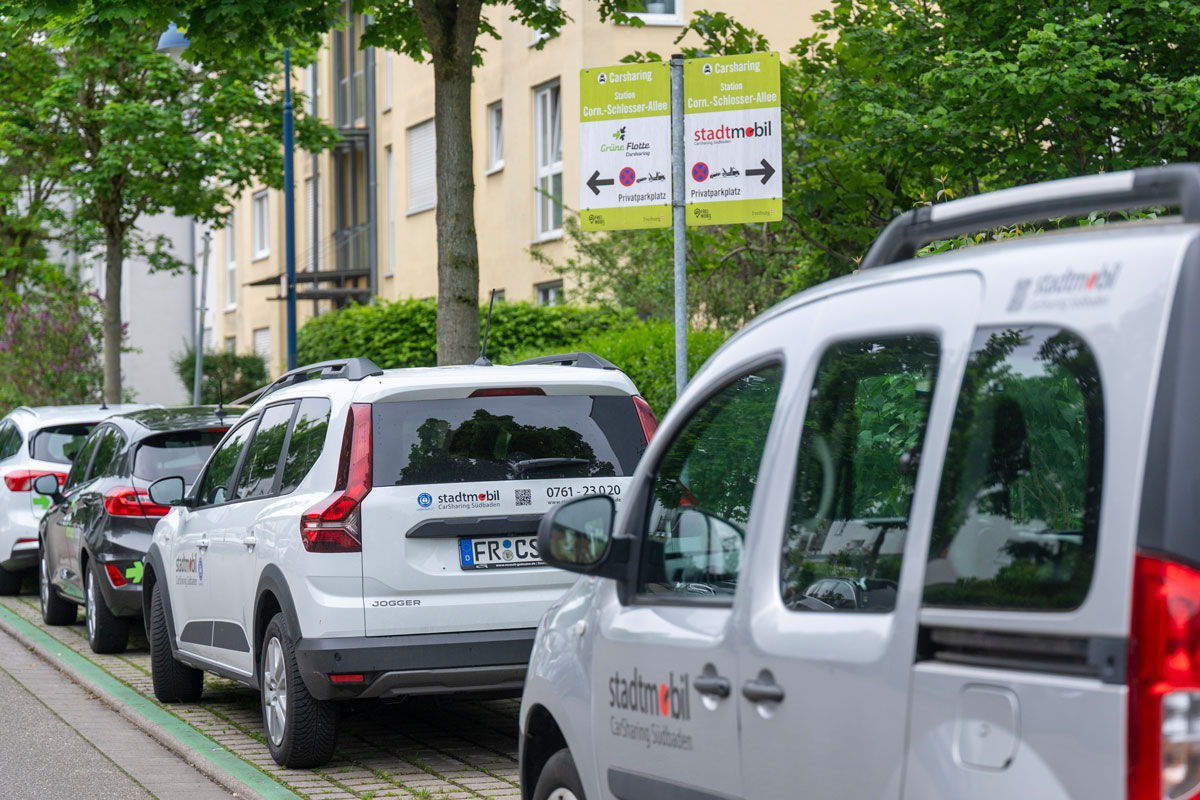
(55, 610)
(106, 632)
(301, 731)
(559, 779)
(173, 682)
(10, 582)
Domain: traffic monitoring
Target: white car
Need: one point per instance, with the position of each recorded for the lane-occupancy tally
(372, 533)
(34, 442)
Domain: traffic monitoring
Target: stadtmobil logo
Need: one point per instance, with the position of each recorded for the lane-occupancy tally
(470, 497)
(632, 692)
(724, 132)
(1074, 287)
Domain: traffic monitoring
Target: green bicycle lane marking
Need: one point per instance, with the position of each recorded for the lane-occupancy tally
(204, 747)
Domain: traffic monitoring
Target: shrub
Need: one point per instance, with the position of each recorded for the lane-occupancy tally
(404, 333)
(232, 374)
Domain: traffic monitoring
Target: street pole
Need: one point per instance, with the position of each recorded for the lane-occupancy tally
(289, 208)
(680, 229)
(196, 379)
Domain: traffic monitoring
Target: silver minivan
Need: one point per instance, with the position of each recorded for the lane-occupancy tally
(930, 531)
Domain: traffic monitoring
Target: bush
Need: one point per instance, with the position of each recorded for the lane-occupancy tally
(404, 333)
(232, 374)
(646, 353)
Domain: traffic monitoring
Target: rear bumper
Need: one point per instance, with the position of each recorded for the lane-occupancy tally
(432, 663)
(23, 556)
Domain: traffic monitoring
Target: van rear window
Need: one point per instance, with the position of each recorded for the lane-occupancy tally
(1019, 504)
(526, 437)
(180, 453)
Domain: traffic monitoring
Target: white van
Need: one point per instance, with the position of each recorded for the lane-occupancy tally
(927, 531)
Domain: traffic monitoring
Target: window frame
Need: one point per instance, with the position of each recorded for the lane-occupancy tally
(661, 18)
(495, 121)
(230, 264)
(547, 100)
(84, 467)
(236, 480)
(261, 225)
(555, 293)
(195, 492)
(390, 200)
(413, 207)
(635, 525)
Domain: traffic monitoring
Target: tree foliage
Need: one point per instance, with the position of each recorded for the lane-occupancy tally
(223, 376)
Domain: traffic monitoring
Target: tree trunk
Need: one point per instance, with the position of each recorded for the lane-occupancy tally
(114, 257)
(458, 252)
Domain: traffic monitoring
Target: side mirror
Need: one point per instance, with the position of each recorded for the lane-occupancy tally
(48, 485)
(578, 536)
(167, 491)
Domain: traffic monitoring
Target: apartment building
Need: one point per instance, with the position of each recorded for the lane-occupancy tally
(364, 210)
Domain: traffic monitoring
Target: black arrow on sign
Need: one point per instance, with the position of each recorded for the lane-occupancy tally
(594, 182)
(767, 171)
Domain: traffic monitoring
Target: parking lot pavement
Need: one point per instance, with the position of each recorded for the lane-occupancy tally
(425, 748)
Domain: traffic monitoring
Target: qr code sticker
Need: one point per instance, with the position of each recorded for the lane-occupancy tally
(524, 497)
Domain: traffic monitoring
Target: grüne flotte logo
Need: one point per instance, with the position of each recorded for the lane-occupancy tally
(1069, 287)
(424, 500)
(634, 693)
(726, 133)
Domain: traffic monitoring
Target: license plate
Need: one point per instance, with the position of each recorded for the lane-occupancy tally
(499, 553)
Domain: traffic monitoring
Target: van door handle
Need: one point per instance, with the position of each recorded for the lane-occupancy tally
(763, 689)
(250, 541)
(714, 685)
(202, 544)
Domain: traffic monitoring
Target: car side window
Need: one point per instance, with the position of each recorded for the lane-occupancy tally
(700, 495)
(1018, 509)
(306, 442)
(215, 486)
(10, 440)
(108, 454)
(257, 478)
(859, 450)
(83, 459)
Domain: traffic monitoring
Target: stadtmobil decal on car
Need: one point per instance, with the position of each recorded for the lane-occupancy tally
(467, 499)
(669, 700)
(189, 569)
(1064, 290)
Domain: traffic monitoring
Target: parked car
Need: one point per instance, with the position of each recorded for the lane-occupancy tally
(998, 443)
(95, 535)
(371, 534)
(34, 442)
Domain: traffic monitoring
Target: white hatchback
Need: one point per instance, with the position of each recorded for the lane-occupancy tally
(373, 534)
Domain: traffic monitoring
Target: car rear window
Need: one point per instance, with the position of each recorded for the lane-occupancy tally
(60, 443)
(527, 437)
(180, 453)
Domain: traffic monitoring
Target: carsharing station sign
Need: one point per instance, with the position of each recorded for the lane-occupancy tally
(625, 147)
(733, 145)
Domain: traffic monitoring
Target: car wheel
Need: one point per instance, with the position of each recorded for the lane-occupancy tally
(559, 779)
(10, 582)
(107, 633)
(301, 730)
(173, 682)
(55, 610)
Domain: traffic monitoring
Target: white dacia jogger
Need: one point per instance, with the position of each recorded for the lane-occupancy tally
(368, 533)
(930, 531)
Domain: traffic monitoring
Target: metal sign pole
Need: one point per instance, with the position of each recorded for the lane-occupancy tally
(198, 375)
(679, 230)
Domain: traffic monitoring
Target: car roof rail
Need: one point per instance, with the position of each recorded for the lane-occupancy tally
(350, 369)
(25, 408)
(585, 360)
(1172, 185)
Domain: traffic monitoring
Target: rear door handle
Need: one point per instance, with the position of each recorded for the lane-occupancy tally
(202, 544)
(250, 541)
(713, 685)
(763, 689)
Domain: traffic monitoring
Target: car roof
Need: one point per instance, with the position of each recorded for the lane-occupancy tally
(40, 416)
(160, 420)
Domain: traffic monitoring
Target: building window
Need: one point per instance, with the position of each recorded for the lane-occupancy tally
(391, 211)
(230, 265)
(659, 12)
(550, 294)
(422, 168)
(387, 80)
(262, 242)
(314, 88)
(312, 200)
(547, 135)
(496, 137)
(262, 345)
(230, 344)
(498, 295)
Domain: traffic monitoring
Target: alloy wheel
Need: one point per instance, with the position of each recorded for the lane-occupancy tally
(562, 794)
(275, 691)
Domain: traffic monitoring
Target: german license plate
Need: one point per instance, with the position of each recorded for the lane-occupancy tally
(499, 553)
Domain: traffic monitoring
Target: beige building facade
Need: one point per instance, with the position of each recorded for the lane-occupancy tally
(364, 210)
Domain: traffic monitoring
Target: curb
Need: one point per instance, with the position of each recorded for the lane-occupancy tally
(205, 762)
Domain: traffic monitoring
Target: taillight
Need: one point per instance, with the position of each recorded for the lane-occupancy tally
(115, 576)
(1164, 682)
(508, 391)
(646, 417)
(126, 501)
(22, 480)
(334, 525)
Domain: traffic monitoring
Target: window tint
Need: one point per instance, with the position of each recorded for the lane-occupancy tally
(108, 451)
(1019, 503)
(523, 437)
(10, 440)
(80, 464)
(215, 488)
(863, 433)
(700, 497)
(60, 443)
(181, 453)
(306, 442)
(257, 478)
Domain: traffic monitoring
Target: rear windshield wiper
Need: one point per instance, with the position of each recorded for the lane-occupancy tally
(530, 464)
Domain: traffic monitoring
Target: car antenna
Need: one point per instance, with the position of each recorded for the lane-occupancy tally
(482, 361)
(103, 404)
(220, 412)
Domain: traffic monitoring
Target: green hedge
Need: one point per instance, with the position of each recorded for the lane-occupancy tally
(225, 376)
(404, 333)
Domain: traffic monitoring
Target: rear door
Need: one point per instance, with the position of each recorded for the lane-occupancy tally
(449, 528)
(832, 612)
